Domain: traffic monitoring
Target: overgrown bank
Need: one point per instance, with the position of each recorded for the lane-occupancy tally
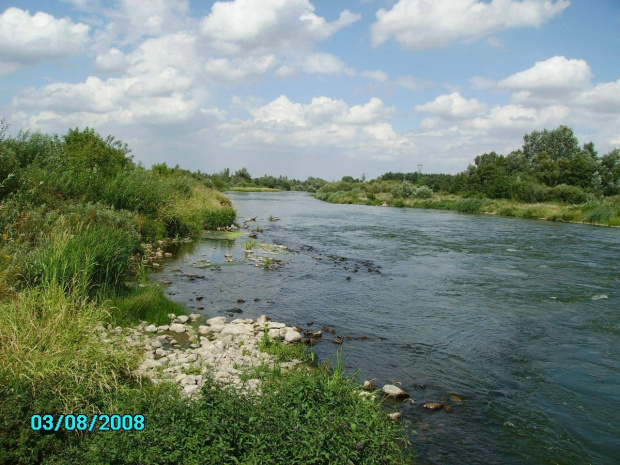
(74, 211)
(550, 178)
(602, 212)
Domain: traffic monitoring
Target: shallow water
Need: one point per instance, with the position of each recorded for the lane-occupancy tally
(519, 318)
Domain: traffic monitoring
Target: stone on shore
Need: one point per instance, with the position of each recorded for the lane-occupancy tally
(177, 328)
(151, 329)
(292, 336)
(218, 320)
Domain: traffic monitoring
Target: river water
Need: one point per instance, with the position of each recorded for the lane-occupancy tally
(518, 318)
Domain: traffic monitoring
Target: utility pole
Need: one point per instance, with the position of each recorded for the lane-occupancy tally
(420, 168)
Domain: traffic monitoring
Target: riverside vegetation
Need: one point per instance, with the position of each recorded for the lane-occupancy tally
(74, 210)
(550, 178)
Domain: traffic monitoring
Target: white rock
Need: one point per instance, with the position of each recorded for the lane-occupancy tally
(237, 329)
(292, 336)
(263, 319)
(177, 328)
(217, 328)
(172, 316)
(163, 328)
(151, 329)
(218, 320)
(275, 325)
(181, 319)
(191, 390)
(238, 321)
(277, 333)
(203, 329)
(195, 316)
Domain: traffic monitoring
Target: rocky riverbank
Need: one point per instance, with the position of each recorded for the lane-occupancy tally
(186, 352)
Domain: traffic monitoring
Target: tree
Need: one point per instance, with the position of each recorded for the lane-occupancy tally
(88, 150)
(546, 170)
(609, 169)
(558, 143)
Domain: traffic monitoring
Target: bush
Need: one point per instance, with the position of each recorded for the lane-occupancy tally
(424, 192)
(404, 190)
(568, 194)
(528, 192)
(470, 205)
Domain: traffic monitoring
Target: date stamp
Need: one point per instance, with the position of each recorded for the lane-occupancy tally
(95, 422)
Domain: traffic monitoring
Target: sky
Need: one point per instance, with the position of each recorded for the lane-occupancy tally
(313, 88)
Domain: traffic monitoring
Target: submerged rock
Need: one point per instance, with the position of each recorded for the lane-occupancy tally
(433, 406)
(394, 391)
(368, 386)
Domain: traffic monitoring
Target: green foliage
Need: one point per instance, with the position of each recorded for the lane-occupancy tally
(304, 417)
(528, 191)
(558, 143)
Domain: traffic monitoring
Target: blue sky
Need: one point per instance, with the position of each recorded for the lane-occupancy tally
(313, 88)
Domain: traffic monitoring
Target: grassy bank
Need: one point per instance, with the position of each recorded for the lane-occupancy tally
(604, 212)
(75, 212)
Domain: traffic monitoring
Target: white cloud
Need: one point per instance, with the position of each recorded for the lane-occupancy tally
(412, 83)
(28, 39)
(420, 24)
(235, 70)
(359, 131)
(376, 74)
(265, 26)
(325, 63)
(112, 61)
(555, 74)
(453, 107)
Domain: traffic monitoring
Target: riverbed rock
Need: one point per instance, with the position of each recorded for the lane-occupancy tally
(433, 406)
(177, 328)
(391, 390)
(151, 329)
(396, 416)
(195, 316)
(181, 319)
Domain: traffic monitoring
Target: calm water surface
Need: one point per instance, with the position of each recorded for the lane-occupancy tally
(519, 318)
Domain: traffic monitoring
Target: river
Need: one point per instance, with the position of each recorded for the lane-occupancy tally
(518, 318)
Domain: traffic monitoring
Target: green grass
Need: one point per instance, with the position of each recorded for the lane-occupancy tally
(147, 303)
(282, 352)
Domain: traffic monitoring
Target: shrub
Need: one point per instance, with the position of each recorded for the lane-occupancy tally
(470, 205)
(528, 192)
(424, 192)
(568, 194)
(404, 190)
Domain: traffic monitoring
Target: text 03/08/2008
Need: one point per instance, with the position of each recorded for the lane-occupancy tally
(87, 423)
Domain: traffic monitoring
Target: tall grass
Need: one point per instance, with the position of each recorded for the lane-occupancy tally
(87, 259)
(147, 303)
